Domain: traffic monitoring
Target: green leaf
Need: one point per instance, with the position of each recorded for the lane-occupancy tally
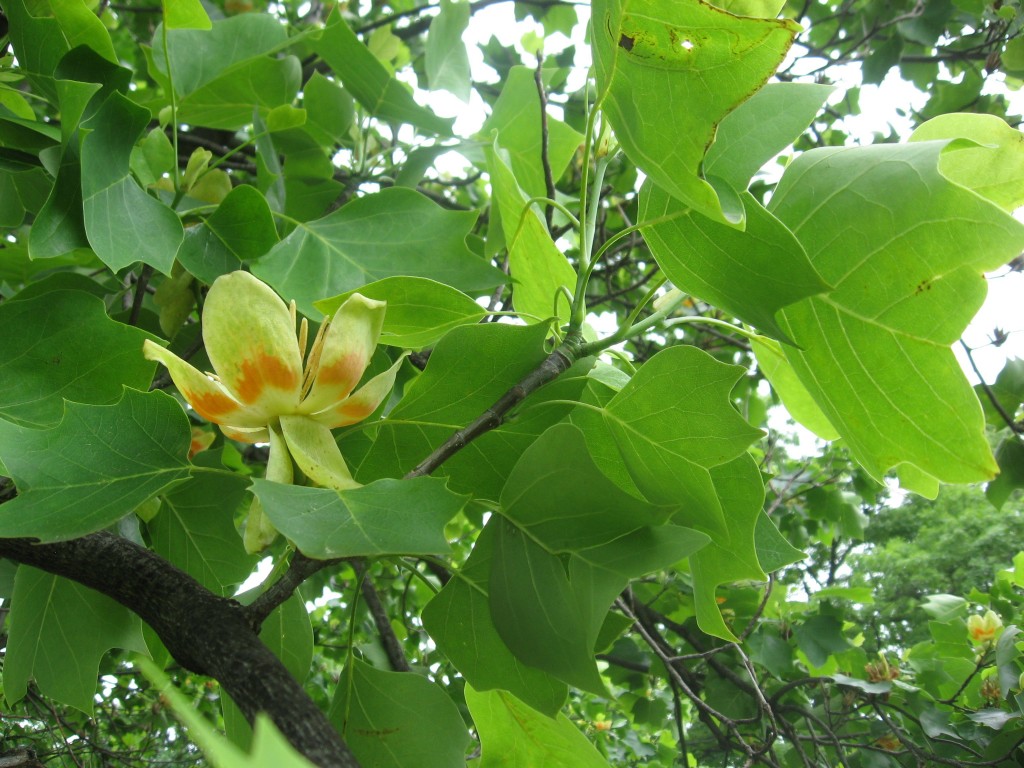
(994, 169)
(725, 560)
(288, 633)
(459, 621)
(512, 735)
(559, 498)
(773, 550)
(537, 267)
(199, 56)
(195, 530)
(240, 230)
(751, 273)
(269, 749)
(1010, 457)
(654, 61)
(428, 413)
(419, 313)
(329, 110)
(59, 631)
(42, 40)
(772, 362)
(536, 613)
(388, 517)
(516, 120)
(819, 637)
(672, 423)
(393, 232)
(369, 82)
(447, 61)
(123, 223)
(761, 127)
(185, 14)
(62, 346)
(600, 574)
(398, 719)
(95, 467)
(227, 102)
(905, 249)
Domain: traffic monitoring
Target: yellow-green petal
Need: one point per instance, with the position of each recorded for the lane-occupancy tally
(259, 435)
(259, 531)
(347, 347)
(361, 404)
(209, 398)
(317, 455)
(250, 338)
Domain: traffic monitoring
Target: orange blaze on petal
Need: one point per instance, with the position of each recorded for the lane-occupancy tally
(212, 406)
(262, 372)
(343, 373)
(356, 411)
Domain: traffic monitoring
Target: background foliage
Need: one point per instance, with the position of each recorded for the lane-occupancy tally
(613, 563)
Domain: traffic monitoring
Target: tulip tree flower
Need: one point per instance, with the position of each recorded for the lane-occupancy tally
(983, 629)
(268, 389)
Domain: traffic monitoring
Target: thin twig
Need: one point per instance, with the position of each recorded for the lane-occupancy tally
(549, 181)
(392, 647)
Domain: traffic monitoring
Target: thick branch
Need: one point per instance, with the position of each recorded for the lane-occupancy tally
(207, 634)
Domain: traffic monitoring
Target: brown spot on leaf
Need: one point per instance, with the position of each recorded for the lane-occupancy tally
(626, 42)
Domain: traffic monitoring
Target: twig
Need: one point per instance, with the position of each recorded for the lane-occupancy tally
(381, 620)
(549, 181)
(1013, 425)
(554, 364)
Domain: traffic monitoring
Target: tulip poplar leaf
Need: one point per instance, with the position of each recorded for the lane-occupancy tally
(459, 620)
(419, 313)
(269, 748)
(654, 61)
(228, 101)
(536, 613)
(388, 517)
(240, 230)
(751, 273)
(199, 56)
(741, 491)
(672, 423)
(59, 346)
(195, 530)
(59, 631)
(512, 734)
(95, 467)
(557, 495)
(369, 82)
(906, 260)
(393, 232)
(123, 223)
(394, 719)
(446, 58)
(761, 127)
(539, 270)
(480, 362)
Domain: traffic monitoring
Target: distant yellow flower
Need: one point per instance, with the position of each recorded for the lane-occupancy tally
(983, 629)
(268, 389)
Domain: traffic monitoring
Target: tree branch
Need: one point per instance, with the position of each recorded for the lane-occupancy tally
(564, 355)
(381, 620)
(299, 569)
(207, 634)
